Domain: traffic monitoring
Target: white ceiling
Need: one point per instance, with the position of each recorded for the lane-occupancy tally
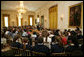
(30, 5)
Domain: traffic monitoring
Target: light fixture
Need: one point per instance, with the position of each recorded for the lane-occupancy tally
(21, 10)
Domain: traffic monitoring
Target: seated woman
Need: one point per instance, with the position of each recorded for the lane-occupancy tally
(34, 35)
(65, 32)
(64, 39)
(40, 47)
(57, 37)
(73, 38)
(7, 32)
(56, 48)
(16, 42)
(3, 40)
(79, 35)
(13, 33)
(28, 32)
(24, 33)
(69, 48)
(51, 34)
(25, 45)
(30, 39)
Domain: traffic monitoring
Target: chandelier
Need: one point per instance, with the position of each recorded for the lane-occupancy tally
(21, 10)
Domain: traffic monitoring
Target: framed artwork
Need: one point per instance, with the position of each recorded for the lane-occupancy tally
(75, 15)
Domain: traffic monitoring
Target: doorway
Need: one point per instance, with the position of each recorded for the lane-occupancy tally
(42, 21)
(53, 17)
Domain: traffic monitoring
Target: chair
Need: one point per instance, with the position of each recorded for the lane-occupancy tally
(68, 53)
(26, 53)
(80, 41)
(17, 51)
(38, 53)
(58, 54)
(20, 52)
(77, 53)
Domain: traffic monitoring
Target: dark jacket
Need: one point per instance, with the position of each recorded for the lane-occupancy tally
(74, 40)
(41, 48)
(16, 44)
(56, 48)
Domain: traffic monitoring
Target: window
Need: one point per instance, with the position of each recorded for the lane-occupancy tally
(31, 21)
(6, 21)
(37, 19)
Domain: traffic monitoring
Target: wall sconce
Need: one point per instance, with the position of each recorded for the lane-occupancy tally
(62, 17)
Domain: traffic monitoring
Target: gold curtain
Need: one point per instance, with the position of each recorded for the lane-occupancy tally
(82, 15)
(3, 21)
(17, 20)
(53, 17)
(32, 20)
(21, 21)
(28, 20)
(8, 20)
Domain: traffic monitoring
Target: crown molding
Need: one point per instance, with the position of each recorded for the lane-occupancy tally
(9, 10)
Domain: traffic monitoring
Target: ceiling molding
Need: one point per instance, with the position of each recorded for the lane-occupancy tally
(16, 11)
(8, 10)
(30, 5)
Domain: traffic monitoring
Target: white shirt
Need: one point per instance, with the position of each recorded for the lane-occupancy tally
(6, 32)
(24, 34)
(34, 36)
(49, 32)
(19, 40)
(49, 39)
(16, 32)
(3, 41)
(44, 39)
(51, 35)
